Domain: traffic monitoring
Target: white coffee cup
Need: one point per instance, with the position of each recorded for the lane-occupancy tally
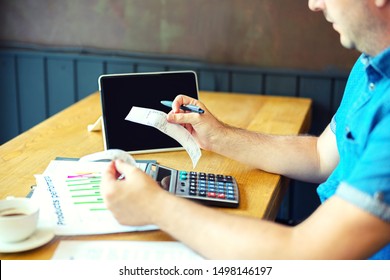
(18, 219)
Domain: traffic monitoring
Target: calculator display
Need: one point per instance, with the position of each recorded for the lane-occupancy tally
(163, 178)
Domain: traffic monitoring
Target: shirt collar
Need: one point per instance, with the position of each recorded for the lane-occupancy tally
(379, 63)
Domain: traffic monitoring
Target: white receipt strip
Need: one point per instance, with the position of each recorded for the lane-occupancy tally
(158, 119)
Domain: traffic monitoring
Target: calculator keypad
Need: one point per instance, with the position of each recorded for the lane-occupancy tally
(220, 189)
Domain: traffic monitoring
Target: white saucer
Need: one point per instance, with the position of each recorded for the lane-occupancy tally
(40, 237)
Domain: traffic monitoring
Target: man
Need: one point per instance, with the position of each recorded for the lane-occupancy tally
(350, 160)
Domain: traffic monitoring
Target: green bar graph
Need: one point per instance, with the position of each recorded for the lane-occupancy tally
(85, 190)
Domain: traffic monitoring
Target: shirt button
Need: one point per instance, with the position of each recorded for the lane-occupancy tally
(379, 196)
(371, 86)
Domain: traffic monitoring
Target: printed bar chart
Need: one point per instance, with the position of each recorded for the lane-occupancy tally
(84, 189)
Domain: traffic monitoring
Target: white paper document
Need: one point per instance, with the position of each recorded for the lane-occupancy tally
(68, 193)
(158, 119)
(124, 250)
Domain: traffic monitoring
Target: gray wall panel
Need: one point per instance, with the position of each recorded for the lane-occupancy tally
(9, 117)
(114, 67)
(32, 90)
(88, 72)
(320, 91)
(281, 85)
(61, 84)
(247, 82)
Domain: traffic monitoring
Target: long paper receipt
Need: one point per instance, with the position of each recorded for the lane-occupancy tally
(158, 119)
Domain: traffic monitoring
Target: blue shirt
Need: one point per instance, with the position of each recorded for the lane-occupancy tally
(362, 129)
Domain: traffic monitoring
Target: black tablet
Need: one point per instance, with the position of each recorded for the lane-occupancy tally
(120, 92)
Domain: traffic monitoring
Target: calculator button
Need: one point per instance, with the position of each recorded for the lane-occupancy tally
(229, 179)
(202, 193)
(230, 197)
(211, 194)
(221, 195)
(214, 188)
(220, 191)
(220, 178)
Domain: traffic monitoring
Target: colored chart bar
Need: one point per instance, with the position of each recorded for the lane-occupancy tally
(85, 190)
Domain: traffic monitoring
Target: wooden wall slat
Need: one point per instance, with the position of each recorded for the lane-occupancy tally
(61, 83)
(281, 85)
(247, 82)
(32, 90)
(114, 67)
(87, 74)
(9, 110)
(319, 90)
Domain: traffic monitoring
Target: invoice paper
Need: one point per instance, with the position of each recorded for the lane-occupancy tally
(124, 250)
(68, 193)
(158, 119)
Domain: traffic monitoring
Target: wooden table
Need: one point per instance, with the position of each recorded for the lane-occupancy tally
(65, 134)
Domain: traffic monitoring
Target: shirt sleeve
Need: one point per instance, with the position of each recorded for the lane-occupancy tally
(368, 185)
(333, 125)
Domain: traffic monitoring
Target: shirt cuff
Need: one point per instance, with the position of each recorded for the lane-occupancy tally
(371, 204)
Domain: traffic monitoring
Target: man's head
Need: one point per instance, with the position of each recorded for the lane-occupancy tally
(362, 24)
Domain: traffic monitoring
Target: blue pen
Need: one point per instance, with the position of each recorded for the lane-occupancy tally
(189, 107)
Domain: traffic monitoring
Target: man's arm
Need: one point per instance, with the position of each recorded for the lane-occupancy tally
(336, 230)
(305, 158)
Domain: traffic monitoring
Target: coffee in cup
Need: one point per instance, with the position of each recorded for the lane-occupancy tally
(18, 219)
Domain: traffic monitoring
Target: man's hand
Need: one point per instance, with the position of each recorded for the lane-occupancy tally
(132, 199)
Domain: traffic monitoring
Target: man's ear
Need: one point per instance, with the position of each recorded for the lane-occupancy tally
(381, 3)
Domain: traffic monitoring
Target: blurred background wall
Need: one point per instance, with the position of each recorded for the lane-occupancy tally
(267, 33)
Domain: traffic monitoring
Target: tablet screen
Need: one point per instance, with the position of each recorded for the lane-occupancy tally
(120, 92)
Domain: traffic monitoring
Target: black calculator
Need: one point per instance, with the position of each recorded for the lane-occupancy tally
(206, 188)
